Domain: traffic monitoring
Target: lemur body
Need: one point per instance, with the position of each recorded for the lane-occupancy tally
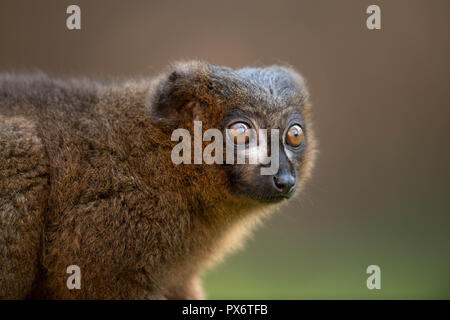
(86, 179)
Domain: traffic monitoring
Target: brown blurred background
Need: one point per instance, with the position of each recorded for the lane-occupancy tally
(380, 190)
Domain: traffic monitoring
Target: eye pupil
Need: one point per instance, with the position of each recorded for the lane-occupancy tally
(294, 136)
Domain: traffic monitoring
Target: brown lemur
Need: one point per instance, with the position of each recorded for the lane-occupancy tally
(86, 178)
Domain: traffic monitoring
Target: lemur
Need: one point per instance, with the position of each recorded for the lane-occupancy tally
(86, 178)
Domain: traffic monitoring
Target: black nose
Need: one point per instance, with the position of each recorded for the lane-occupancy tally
(284, 183)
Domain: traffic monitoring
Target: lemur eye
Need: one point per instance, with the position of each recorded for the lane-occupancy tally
(238, 132)
(294, 136)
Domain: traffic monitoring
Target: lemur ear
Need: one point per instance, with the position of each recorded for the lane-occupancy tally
(179, 94)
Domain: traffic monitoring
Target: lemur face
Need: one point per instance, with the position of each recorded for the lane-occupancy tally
(279, 106)
(246, 103)
(247, 178)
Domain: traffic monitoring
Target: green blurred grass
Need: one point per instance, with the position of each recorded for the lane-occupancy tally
(276, 267)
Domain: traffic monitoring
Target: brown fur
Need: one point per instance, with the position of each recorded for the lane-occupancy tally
(86, 179)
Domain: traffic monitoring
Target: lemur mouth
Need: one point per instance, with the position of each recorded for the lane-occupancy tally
(277, 197)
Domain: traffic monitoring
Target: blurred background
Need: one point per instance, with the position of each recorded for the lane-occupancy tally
(380, 189)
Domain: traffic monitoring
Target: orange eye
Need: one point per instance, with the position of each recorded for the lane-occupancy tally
(294, 136)
(238, 132)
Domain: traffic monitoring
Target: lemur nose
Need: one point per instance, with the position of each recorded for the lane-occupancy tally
(284, 183)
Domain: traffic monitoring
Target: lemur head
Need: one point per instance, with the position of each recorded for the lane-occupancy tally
(241, 103)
